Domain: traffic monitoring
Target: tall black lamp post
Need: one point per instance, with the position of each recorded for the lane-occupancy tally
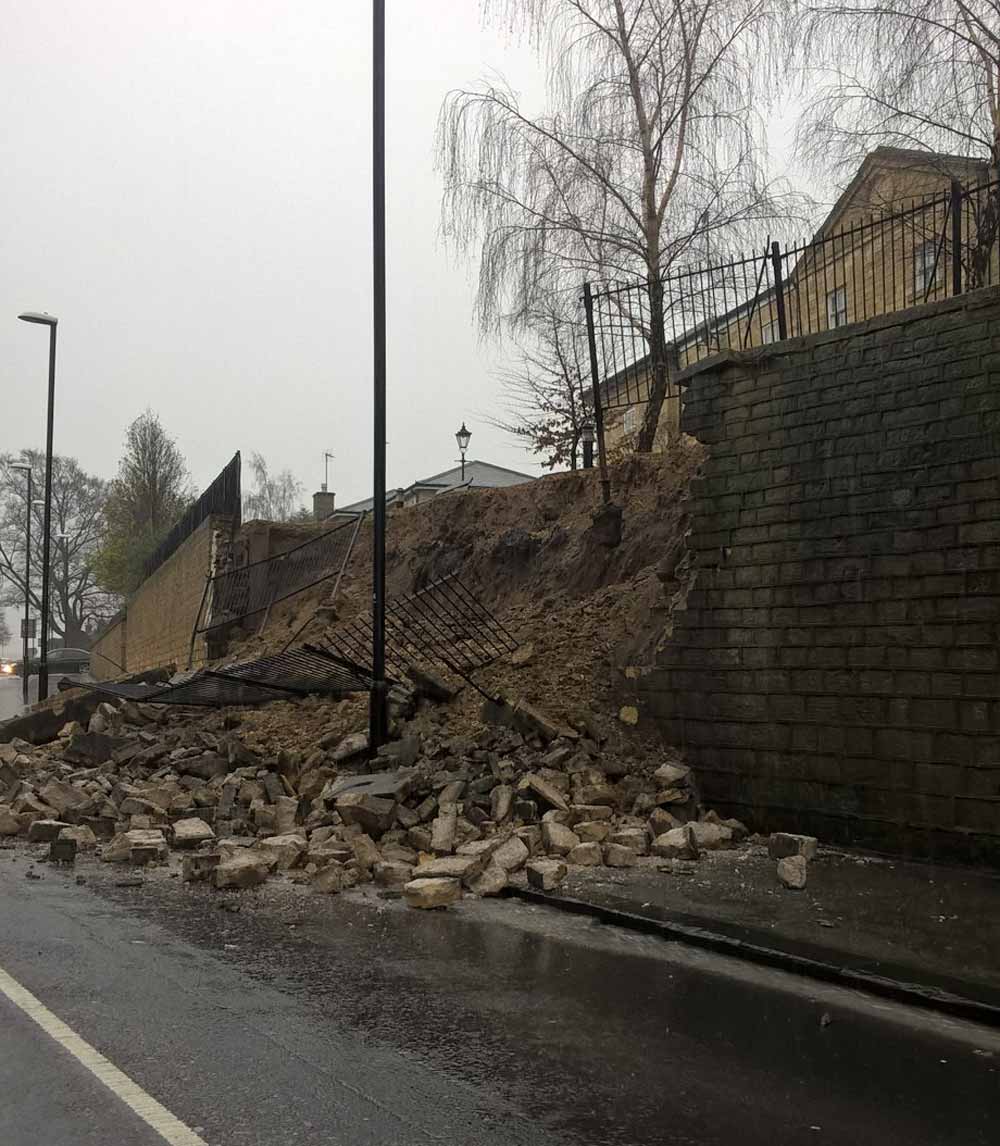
(378, 711)
(26, 635)
(43, 650)
(462, 437)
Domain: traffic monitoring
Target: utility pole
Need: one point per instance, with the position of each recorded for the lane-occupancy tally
(378, 717)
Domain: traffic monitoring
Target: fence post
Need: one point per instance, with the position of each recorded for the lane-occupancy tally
(588, 306)
(779, 290)
(956, 237)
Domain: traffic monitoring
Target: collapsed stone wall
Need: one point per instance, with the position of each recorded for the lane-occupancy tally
(836, 668)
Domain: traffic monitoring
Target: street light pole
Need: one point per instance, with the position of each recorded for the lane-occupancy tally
(463, 437)
(43, 650)
(27, 588)
(378, 717)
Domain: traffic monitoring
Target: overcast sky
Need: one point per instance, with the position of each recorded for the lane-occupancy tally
(187, 186)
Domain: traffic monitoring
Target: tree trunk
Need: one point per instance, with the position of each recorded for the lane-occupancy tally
(658, 367)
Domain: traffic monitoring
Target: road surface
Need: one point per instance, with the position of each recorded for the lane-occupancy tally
(302, 1020)
(10, 696)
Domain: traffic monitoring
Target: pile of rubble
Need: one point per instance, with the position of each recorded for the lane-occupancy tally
(433, 816)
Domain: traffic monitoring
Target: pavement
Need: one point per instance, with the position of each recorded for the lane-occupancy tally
(931, 926)
(299, 1019)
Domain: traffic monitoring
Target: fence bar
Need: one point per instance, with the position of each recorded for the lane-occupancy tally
(956, 237)
(779, 290)
(588, 304)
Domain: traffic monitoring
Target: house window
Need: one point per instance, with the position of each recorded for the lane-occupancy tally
(769, 332)
(630, 422)
(836, 307)
(924, 269)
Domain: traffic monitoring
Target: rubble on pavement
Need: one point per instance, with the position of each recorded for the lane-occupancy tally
(434, 817)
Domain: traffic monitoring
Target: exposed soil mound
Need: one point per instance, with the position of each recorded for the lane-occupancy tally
(586, 609)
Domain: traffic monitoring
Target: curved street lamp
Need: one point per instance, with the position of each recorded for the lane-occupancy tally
(462, 437)
(51, 322)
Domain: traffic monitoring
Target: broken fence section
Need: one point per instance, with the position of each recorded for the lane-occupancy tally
(443, 622)
(295, 672)
(236, 594)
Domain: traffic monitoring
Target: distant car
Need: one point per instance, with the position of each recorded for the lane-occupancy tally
(63, 662)
(7, 668)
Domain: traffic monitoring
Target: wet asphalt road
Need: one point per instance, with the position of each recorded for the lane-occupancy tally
(10, 696)
(302, 1020)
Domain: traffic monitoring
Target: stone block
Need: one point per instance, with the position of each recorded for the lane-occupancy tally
(782, 844)
(546, 874)
(557, 839)
(191, 832)
(617, 855)
(511, 855)
(431, 893)
(586, 855)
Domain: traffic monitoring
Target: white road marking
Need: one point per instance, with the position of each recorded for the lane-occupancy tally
(170, 1129)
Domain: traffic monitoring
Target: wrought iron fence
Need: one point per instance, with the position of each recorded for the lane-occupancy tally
(932, 248)
(444, 623)
(222, 497)
(235, 594)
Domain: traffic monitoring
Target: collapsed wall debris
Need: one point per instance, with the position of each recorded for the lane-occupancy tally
(441, 815)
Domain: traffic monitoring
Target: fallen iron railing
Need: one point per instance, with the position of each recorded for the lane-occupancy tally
(443, 622)
(295, 672)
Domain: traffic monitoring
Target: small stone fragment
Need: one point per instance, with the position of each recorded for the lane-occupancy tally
(284, 851)
(431, 893)
(592, 831)
(792, 871)
(45, 831)
(782, 844)
(242, 869)
(191, 832)
(586, 854)
(512, 854)
(452, 867)
(490, 881)
(85, 839)
(328, 880)
(443, 830)
(617, 855)
(546, 874)
(557, 839)
(392, 873)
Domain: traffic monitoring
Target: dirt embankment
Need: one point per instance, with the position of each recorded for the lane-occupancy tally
(583, 610)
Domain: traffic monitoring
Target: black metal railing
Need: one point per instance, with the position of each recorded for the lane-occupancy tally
(443, 623)
(933, 248)
(248, 590)
(222, 497)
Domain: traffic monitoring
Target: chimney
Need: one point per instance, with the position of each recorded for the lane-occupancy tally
(324, 504)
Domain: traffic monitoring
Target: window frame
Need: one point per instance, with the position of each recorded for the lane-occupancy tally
(836, 316)
(924, 288)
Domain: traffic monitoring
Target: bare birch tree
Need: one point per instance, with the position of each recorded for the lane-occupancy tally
(275, 496)
(909, 73)
(648, 150)
(545, 389)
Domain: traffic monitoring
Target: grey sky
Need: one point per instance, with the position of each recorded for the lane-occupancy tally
(187, 186)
